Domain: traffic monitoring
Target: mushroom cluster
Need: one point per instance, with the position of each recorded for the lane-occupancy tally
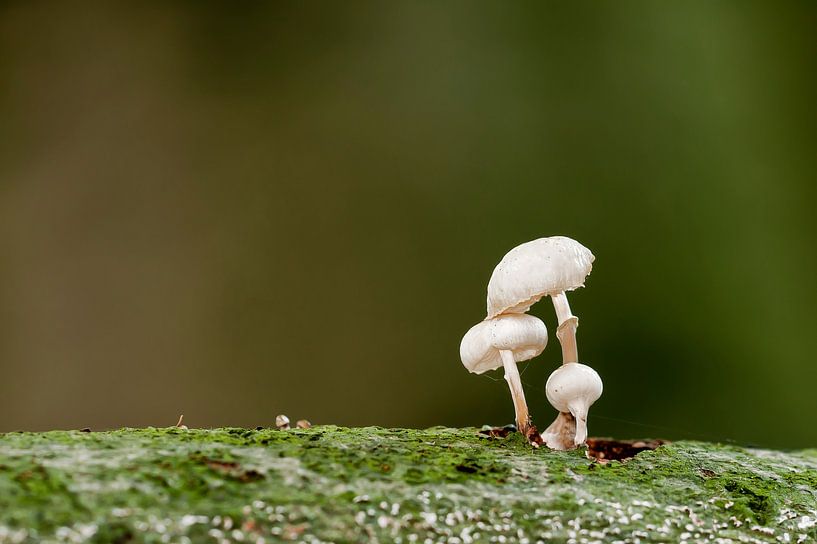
(529, 272)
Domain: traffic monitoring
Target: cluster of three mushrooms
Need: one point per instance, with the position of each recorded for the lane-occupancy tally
(544, 267)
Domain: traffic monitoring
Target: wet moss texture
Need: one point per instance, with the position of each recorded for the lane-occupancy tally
(333, 484)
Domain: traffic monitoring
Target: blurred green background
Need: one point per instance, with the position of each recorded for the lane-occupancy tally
(238, 211)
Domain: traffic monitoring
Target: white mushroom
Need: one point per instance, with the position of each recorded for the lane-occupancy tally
(282, 422)
(502, 342)
(547, 266)
(571, 388)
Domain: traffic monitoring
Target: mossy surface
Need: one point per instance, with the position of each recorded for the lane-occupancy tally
(390, 485)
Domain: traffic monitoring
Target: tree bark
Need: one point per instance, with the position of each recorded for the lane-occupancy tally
(388, 485)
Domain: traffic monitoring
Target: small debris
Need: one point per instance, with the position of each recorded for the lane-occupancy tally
(303, 424)
(292, 532)
(85, 430)
(533, 436)
(604, 450)
(502, 432)
(282, 422)
(180, 425)
(496, 432)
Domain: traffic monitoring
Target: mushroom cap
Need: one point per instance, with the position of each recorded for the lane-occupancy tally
(525, 336)
(572, 383)
(535, 269)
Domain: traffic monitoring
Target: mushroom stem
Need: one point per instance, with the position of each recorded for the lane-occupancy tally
(566, 333)
(579, 412)
(517, 393)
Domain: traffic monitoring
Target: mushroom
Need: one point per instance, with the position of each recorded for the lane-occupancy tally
(282, 422)
(572, 389)
(546, 266)
(505, 341)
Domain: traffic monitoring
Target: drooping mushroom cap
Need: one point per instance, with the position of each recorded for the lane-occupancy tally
(535, 269)
(572, 387)
(525, 336)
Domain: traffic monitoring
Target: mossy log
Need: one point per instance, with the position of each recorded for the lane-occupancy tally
(391, 485)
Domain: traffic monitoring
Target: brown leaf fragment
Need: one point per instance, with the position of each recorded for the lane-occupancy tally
(292, 532)
(495, 432)
(604, 449)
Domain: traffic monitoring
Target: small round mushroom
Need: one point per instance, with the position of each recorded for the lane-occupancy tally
(505, 341)
(573, 388)
(282, 422)
(546, 266)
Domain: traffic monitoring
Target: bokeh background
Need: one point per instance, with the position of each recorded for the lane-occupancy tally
(232, 212)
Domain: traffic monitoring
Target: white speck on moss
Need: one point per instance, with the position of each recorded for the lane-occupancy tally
(806, 522)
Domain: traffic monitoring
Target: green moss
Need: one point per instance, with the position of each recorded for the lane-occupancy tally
(338, 484)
